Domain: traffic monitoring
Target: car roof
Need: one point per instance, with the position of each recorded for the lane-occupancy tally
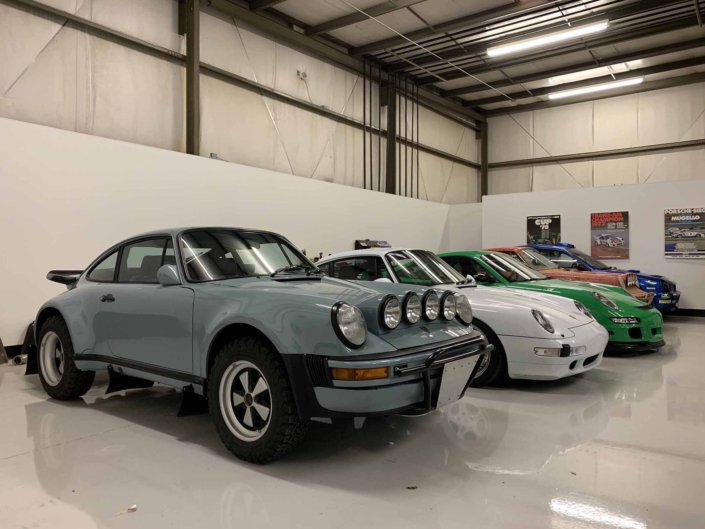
(505, 249)
(363, 252)
(471, 253)
(176, 231)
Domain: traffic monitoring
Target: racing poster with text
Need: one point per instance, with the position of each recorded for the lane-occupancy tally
(610, 235)
(544, 229)
(685, 233)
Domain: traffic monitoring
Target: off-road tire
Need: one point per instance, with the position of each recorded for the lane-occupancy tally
(497, 371)
(74, 383)
(286, 428)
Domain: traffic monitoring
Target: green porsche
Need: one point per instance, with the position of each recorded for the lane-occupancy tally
(632, 324)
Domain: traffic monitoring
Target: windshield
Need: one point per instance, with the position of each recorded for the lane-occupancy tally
(210, 255)
(418, 267)
(510, 269)
(535, 260)
(594, 263)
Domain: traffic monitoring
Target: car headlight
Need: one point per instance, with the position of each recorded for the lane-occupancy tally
(582, 308)
(464, 308)
(625, 321)
(349, 324)
(449, 306)
(604, 300)
(431, 305)
(412, 308)
(390, 313)
(543, 320)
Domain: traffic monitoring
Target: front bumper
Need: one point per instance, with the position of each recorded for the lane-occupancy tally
(523, 363)
(666, 302)
(634, 347)
(412, 387)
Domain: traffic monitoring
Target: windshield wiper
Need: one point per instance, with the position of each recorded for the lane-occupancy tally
(295, 268)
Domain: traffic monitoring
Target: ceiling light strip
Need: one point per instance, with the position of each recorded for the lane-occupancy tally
(547, 40)
(596, 88)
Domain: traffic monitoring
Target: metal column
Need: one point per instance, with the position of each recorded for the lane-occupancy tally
(484, 161)
(193, 61)
(391, 171)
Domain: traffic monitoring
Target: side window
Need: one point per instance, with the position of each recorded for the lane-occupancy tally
(357, 269)
(140, 261)
(464, 265)
(104, 272)
(561, 259)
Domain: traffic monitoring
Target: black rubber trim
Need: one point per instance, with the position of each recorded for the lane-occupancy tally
(423, 305)
(147, 368)
(334, 322)
(459, 342)
(634, 346)
(442, 357)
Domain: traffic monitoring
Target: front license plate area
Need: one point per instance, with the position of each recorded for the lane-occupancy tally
(456, 376)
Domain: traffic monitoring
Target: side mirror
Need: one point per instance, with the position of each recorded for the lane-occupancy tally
(382, 280)
(168, 276)
(484, 278)
(471, 280)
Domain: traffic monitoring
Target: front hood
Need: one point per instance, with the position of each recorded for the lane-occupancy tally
(577, 291)
(639, 275)
(323, 289)
(499, 306)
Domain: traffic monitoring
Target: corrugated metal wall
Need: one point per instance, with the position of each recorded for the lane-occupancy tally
(55, 75)
(664, 116)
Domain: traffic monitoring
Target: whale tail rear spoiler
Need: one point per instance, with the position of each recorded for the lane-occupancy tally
(65, 277)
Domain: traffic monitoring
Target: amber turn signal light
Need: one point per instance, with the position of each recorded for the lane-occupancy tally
(344, 373)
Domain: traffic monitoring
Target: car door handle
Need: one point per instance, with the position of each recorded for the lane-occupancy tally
(109, 298)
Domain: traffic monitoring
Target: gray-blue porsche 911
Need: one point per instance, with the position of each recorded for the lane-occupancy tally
(243, 320)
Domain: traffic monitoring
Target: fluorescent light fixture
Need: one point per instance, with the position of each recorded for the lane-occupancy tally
(547, 40)
(596, 88)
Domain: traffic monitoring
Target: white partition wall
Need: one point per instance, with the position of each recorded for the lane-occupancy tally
(504, 224)
(66, 197)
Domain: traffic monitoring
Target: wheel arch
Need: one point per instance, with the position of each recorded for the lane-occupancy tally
(229, 333)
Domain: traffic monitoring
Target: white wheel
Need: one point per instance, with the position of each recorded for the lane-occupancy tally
(245, 401)
(51, 356)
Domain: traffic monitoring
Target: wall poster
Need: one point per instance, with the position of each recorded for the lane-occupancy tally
(685, 233)
(544, 229)
(610, 235)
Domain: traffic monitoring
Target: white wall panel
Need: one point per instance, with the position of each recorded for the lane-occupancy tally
(663, 116)
(236, 125)
(135, 97)
(100, 180)
(222, 46)
(510, 180)
(575, 175)
(616, 123)
(508, 139)
(564, 130)
(463, 229)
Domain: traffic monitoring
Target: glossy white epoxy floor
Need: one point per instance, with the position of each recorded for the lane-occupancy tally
(622, 446)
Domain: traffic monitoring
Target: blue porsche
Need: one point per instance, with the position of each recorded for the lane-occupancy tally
(566, 255)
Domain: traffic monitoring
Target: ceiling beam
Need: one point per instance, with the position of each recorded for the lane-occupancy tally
(353, 18)
(580, 67)
(427, 98)
(686, 22)
(483, 17)
(537, 92)
(259, 5)
(638, 89)
(471, 50)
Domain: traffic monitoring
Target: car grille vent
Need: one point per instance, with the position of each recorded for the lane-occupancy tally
(635, 333)
(590, 360)
(656, 330)
(318, 370)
